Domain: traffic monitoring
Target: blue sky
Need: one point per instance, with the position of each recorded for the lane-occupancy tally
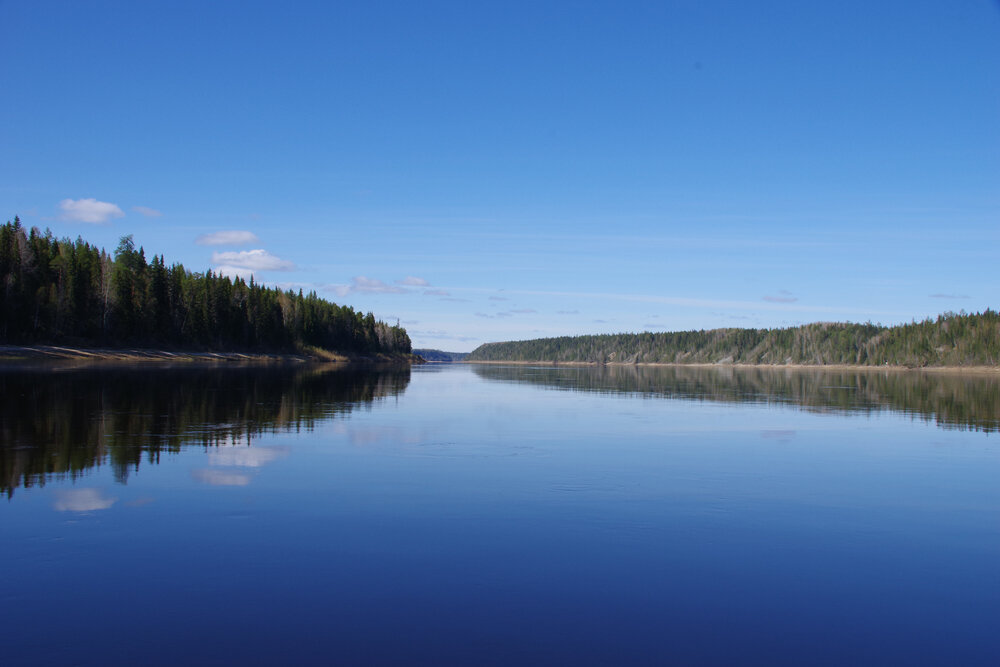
(514, 170)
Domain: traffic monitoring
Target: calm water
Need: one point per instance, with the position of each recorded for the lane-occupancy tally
(498, 515)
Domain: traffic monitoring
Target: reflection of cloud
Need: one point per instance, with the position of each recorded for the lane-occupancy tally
(82, 500)
(245, 457)
(220, 477)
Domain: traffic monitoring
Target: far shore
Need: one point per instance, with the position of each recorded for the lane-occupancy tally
(68, 353)
(809, 367)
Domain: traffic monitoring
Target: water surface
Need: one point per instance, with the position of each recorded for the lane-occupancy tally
(498, 515)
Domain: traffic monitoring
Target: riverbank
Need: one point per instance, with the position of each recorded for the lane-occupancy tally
(810, 367)
(67, 353)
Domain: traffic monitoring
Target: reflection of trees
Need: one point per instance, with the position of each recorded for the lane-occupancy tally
(67, 420)
(952, 400)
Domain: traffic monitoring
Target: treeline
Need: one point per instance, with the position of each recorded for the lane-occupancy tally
(950, 340)
(70, 292)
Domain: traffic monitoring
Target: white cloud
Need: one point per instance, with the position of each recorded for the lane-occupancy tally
(524, 310)
(436, 292)
(82, 500)
(231, 237)
(499, 298)
(413, 281)
(89, 210)
(250, 260)
(146, 211)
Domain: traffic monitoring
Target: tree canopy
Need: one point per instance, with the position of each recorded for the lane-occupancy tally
(70, 292)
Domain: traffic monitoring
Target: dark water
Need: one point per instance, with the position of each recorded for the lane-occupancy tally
(498, 515)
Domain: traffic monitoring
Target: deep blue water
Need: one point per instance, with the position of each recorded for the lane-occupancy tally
(484, 515)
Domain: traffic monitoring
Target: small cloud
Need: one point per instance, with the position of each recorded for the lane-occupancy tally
(455, 299)
(649, 325)
(499, 298)
(221, 477)
(568, 312)
(251, 260)
(231, 237)
(436, 292)
(783, 296)
(146, 211)
(524, 310)
(483, 315)
(89, 210)
(949, 296)
(603, 321)
(413, 281)
(82, 500)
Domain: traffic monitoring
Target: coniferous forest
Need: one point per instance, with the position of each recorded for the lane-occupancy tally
(949, 340)
(70, 292)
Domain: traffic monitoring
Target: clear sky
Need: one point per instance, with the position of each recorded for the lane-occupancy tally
(511, 170)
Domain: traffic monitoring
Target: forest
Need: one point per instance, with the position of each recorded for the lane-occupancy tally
(72, 293)
(952, 339)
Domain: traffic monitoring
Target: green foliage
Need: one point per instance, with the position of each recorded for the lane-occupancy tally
(62, 291)
(950, 340)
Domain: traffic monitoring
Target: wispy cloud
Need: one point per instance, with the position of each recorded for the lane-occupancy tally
(567, 312)
(950, 296)
(230, 237)
(82, 500)
(649, 325)
(455, 299)
(783, 296)
(499, 298)
(146, 211)
(89, 210)
(373, 286)
(442, 335)
(413, 281)
(436, 292)
(521, 311)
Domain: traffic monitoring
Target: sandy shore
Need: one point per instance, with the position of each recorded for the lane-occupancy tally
(810, 367)
(56, 352)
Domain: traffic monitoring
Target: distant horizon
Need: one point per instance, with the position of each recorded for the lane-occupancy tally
(523, 171)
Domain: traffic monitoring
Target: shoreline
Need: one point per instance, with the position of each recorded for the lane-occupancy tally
(979, 370)
(14, 353)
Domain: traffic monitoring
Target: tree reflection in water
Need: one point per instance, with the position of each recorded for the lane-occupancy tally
(58, 420)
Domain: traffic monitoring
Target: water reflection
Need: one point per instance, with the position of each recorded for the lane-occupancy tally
(62, 420)
(964, 401)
